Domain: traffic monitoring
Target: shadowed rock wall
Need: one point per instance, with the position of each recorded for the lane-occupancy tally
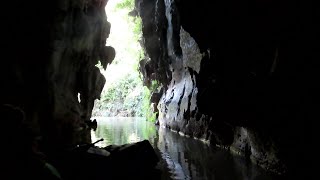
(241, 74)
(51, 50)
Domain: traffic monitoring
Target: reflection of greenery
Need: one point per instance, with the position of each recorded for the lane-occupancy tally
(121, 130)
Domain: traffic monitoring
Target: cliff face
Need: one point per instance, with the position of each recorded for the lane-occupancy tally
(52, 49)
(238, 74)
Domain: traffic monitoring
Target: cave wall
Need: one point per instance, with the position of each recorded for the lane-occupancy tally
(51, 50)
(239, 74)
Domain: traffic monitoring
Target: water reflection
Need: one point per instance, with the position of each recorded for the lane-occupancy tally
(185, 158)
(118, 131)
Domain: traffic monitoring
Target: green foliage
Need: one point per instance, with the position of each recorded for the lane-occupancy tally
(125, 4)
(146, 106)
(154, 85)
(137, 27)
(151, 116)
(146, 101)
(135, 23)
(124, 93)
(123, 96)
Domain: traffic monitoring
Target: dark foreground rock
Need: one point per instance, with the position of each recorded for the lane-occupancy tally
(130, 161)
(23, 156)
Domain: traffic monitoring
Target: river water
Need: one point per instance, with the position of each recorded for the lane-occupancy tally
(182, 157)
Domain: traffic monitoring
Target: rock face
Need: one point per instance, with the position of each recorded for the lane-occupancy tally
(238, 74)
(52, 50)
(178, 104)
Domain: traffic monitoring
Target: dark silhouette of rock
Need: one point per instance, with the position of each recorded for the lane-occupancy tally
(22, 154)
(92, 124)
(129, 161)
(107, 55)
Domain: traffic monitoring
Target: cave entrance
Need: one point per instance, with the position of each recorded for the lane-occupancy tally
(124, 105)
(124, 94)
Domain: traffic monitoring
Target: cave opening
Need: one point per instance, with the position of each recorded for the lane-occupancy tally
(124, 103)
(124, 94)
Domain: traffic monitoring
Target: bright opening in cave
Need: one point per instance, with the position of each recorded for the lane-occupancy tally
(124, 94)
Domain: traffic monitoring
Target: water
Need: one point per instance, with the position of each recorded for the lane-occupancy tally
(182, 157)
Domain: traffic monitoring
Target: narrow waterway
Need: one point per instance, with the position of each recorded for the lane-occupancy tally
(181, 157)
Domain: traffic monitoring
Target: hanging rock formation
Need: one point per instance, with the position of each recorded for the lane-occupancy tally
(236, 73)
(52, 49)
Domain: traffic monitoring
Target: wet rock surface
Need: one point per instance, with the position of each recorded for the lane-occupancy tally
(246, 83)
